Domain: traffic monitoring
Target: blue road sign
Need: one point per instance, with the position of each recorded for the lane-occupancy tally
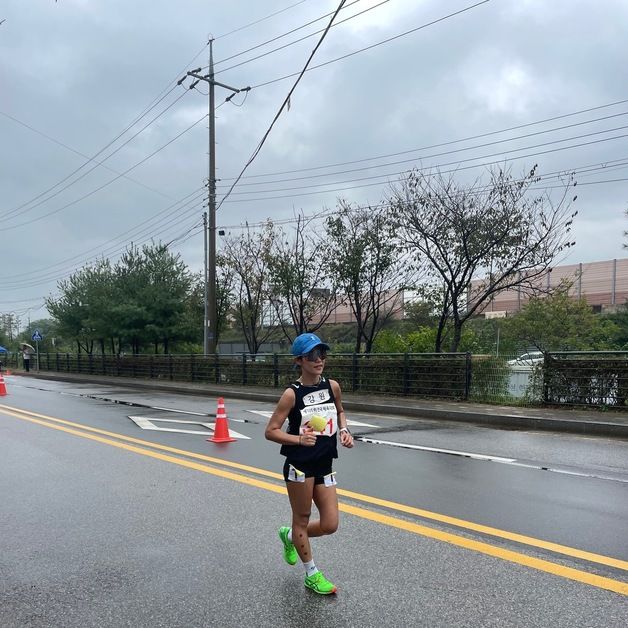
(37, 336)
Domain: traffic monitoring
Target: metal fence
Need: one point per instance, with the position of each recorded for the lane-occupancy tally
(586, 378)
(577, 379)
(440, 375)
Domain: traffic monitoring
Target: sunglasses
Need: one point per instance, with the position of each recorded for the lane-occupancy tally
(315, 354)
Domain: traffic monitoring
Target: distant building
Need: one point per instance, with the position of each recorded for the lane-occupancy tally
(603, 284)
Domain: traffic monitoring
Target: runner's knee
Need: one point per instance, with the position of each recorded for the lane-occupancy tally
(301, 519)
(329, 526)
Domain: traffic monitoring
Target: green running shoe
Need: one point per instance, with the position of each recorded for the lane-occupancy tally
(289, 550)
(320, 584)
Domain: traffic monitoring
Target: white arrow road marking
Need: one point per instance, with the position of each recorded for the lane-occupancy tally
(267, 414)
(148, 423)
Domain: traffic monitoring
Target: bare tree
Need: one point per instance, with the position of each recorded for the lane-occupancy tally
(225, 281)
(367, 267)
(246, 257)
(302, 294)
(505, 233)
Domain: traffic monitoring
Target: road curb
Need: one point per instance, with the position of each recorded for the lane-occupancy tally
(572, 426)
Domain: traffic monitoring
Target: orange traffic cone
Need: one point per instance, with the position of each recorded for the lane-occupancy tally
(3, 386)
(221, 428)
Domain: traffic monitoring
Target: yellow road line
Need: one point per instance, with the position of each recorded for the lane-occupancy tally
(131, 439)
(376, 501)
(485, 548)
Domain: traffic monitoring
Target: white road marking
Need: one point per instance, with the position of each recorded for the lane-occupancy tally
(511, 461)
(189, 412)
(179, 411)
(267, 414)
(453, 452)
(148, 423)
(355, 423)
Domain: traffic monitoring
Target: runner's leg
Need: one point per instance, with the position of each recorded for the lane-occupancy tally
(300, 494)
(326, 501)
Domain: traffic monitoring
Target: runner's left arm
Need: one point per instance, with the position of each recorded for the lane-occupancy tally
(346, 439)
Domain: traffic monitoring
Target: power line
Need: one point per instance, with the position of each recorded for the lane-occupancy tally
(331, 212)
(451, 163)
(579, 170)
(241, 28)
(13, 213)
(283, 105)
(138, 239)
(126, 235)
(429, 147)
(446, 143)
(129, 234)
(159, 98)
(74, 202)
(294, 30)
(76, 152)
(296, 41)
(490, 163)
(16, 211)
(458, 150)
(385, 41)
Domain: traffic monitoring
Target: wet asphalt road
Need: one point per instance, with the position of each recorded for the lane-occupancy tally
(95, 535)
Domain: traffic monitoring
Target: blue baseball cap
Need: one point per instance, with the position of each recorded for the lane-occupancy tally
(305, 343)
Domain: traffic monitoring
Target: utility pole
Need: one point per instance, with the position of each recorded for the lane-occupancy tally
(211, 313)
(206, 311)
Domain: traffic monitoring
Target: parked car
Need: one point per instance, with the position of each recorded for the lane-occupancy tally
(527, 359)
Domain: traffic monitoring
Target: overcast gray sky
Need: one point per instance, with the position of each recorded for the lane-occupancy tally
(75, 75)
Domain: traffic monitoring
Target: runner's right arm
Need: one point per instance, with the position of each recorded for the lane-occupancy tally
(273, 429)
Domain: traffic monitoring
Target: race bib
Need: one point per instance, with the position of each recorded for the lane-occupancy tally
(294, 475)
(322, 418)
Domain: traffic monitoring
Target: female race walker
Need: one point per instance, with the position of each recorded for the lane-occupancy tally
(314, 411)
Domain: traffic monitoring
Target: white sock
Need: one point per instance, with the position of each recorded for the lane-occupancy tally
(290, 535)
(310, 568)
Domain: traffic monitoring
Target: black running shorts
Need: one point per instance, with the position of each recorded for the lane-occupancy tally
(316, 469)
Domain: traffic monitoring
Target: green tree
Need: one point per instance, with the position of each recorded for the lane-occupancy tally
(152, 286)
(420, 313)
(140, 300)
(559, 323)
(619, 320)
(503, 231)
(47, 327)
(77, 309)
(420, 340)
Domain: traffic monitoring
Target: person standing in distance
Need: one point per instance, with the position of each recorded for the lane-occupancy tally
(313, 407)
(26, 358)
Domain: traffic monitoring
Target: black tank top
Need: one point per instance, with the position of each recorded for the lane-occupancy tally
(310, 401)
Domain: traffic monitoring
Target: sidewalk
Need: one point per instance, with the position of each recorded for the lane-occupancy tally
(588, 421)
